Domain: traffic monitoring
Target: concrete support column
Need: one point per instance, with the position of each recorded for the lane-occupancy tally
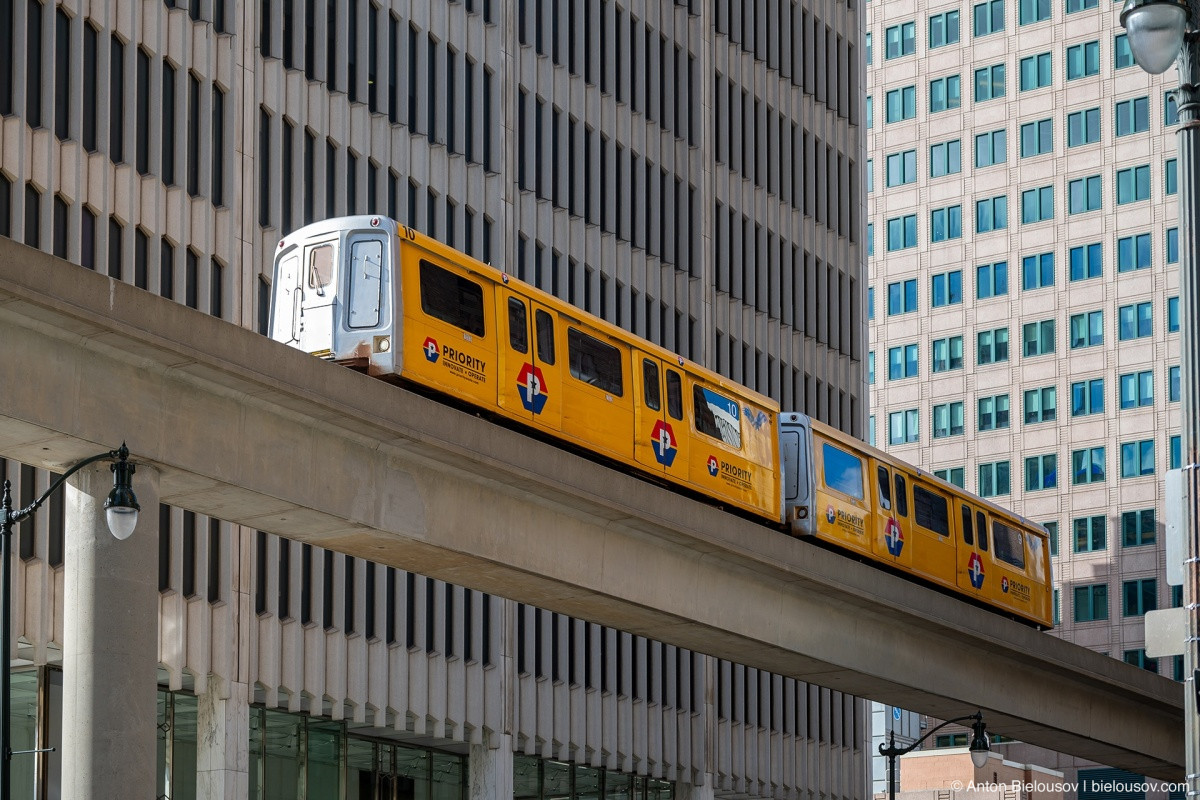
(223, 742)
(110, 642)
(490, 770)
(689, 791)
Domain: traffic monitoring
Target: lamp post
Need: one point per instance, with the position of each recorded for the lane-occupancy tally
(121, 509)
(979, 746)
(1161, 33)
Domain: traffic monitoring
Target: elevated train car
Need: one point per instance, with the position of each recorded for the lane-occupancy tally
(377, 296)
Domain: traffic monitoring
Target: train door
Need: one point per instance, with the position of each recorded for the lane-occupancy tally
(890, 539)
(933, 533)
(529, 388)
(971, 568)
(660, 434)
(305, 297)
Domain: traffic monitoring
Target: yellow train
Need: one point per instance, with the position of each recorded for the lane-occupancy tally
(378, 296)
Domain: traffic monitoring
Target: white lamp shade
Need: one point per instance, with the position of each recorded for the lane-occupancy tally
(979, 758)
(1155, 34)
(121, 521)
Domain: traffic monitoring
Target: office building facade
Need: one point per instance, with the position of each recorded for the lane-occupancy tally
(691, 171)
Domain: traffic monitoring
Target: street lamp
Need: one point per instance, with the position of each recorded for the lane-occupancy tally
(1162, 32)
(121, 509)
(979, 746)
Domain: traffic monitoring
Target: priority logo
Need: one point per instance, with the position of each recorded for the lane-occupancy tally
(662, 439)
(830, 514)
(893, 537)
(975, 570)
(1004, 584)
(432, 351)
(713, 466)
(532, 387)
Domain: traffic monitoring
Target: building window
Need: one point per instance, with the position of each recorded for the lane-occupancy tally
(945, 223)
(1122, 54)
(1083, 60)
(1138, 658)
(1090, 533)
(1038, 338)
(994, 479)
(1052, 535)
(1037, 272)
(1083, 127)
(989, 83)
(991, 280)
(1086, 261)
(1173, 384)
(953, 475)
(1091, 603)
(946, 288)
(1136, 389)
(1056, 601)
(1087, 397)
(902, 168)
(1084, 195)
(993, 412)
(1133, 252)
(1133, 116)
(1138, 528)
(1031, 11)
(1175, 456)
(1172, 245)
(1037, 138)
(869, 49)
(1087, 329)
(1041, 472)
(870, 302)
(902, 296)
(1037, 205)
(1041, 405)
(993, 346)
(1035, 70)
(991, 214)
(943, 29)
(947, 354)
(871, 430)
(1133, 184)
(945, 93)
(1171, 176)
(902, 362)
(1135, 321)
(901, 40)
(1087, 466)
(945, 158)
(988, 17)
(902, 426)
(902, 104)
(947, 419)
(1140, 596)
(902, 232)
(870, 112)
(1173, 314)
(871, 367)
(1171, 108)
(1137, 458)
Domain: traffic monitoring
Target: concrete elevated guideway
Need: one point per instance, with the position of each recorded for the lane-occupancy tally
(250, 431)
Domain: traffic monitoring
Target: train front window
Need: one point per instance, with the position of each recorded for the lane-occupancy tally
(1010, 544)
(932, 512)
(594, 362)
(650, 385)
(518, 332)
(320, 266)
(885, 489)
(451, 298)
(545, 336)
(843, 471)
(717, 416)
(674, 394)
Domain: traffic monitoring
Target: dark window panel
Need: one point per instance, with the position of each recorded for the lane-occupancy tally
(116, 87)
(60, 227)
(90, 71)
(168, 124)
(33, 65)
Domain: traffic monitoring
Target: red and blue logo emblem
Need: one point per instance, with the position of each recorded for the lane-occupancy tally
(1004, 584)
(975, 570)
(830, 514)
(894, 537)
(532, 387)
(663, 440)
(432, 351)
(713, 466)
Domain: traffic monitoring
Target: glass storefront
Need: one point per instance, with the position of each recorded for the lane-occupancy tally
(539, 779)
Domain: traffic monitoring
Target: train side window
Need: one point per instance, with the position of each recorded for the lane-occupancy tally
(717, 416)
(981, 526)
(1010, 544)
(320, 266)
(594, 362)
(901, 495)
(451, 298)
(885, 489)
(545, 336)
(366, 283)
(518, 326)
(931, 511)
(674, 394)
(968, 536)
(650, 385)
(843, 471)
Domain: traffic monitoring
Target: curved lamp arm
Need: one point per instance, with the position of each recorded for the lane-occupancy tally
(979, 740)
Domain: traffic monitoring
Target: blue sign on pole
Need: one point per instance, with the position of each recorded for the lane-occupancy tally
(895, 713)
